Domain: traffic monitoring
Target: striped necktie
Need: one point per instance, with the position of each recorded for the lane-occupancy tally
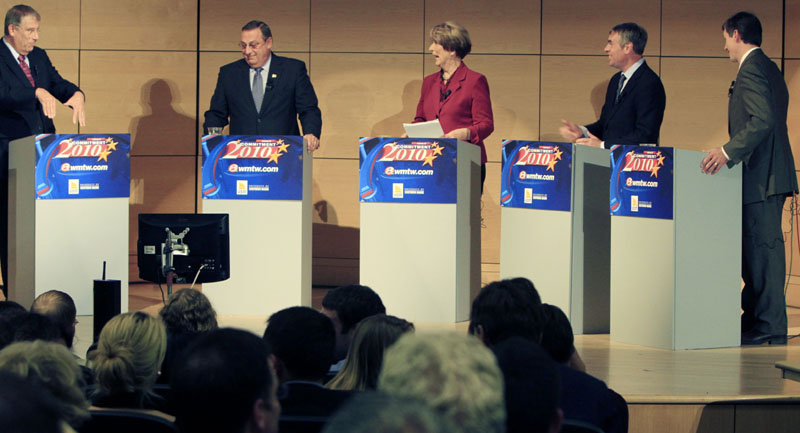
(26, 70)
(619, 87)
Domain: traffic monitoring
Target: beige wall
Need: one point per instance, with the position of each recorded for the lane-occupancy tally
(148, 67)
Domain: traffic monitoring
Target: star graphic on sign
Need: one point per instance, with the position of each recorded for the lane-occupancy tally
(429, 160)
(660, 158)
(282, 146)
(654, 171)
(104, 155)
(437, 150)
(558, 153)
(551, 166)
(274, 157)
(112, 144)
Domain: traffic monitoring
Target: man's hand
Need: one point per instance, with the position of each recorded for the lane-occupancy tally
(459, 134)
(48, 102)
(313, 142)
(591, 141)
(78, 104)
(570, 131)
(713, 161)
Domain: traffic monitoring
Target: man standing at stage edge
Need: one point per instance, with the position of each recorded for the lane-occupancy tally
(264, 94)
(759, 139)
(30, 88)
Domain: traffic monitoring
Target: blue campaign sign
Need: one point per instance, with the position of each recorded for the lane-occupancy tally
(407, 170)
(251, 167)
(83, 166)
(641, 181)
(536, 175)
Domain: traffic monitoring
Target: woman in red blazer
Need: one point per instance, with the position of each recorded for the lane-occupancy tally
(456, 95)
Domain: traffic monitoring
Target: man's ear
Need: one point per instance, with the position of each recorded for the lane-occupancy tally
(280, 369)
(736, 36)
(481, 334)
(261, 416)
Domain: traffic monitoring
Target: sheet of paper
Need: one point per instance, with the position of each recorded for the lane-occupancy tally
(429, 129)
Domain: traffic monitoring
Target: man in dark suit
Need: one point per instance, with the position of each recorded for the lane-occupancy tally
(757, 109)
(264, 94)
(30, 90)
(635, 97)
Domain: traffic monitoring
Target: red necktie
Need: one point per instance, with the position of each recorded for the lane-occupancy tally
(26, 70)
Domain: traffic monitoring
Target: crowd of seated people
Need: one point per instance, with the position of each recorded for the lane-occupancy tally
(517, 370)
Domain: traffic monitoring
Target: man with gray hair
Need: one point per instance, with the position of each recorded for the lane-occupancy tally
(455, 374)
(635, 98)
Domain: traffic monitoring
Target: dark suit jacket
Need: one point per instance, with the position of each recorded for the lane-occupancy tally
(757, 127)
(586, 398)
(309, 399)
(637, 117)
(20, 112)
(289, 94)
(467, 106)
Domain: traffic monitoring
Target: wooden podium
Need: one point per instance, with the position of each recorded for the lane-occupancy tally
(270, 221)
(420, 226)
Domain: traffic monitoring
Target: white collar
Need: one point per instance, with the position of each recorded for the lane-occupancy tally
(747, 54)
(14, 52)
(632, 70)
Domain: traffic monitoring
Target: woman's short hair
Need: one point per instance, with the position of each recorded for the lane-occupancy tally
(130, 350)
(53, 367)
(452, 37)
(189, 310)
(372, 337)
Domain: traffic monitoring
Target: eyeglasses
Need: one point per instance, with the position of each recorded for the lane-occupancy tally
(253, 45)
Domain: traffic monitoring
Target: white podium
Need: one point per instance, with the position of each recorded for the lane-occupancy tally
(564, 253)
(676, 283)
(423, 259)
(61, 244)
(270, 249)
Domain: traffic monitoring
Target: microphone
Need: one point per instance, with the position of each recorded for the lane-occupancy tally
(730, 89)
(269, 84)
(444, 95)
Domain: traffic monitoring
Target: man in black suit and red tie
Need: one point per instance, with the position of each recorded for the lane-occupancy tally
(30, 90)
(759, 139)
(635, 98)
(264, 94)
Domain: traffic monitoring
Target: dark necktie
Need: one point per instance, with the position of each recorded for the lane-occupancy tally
(26, 70)
(619, 87)
(258, 89)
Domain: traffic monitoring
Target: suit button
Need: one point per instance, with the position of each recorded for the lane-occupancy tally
(258, 120)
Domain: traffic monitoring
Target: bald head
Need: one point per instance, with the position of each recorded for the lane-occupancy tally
(60, 308)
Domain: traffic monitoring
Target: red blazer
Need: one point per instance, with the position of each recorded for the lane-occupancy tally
(466, 106)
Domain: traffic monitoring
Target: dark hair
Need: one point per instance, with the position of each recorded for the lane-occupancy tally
(371, 411)
(60, 308)
(303, 339)
(34, 326)
(188, 310)
(255, 24)
(9, 311)
(557, 337)
(222, 374)
(26, 408)
(507, 308)
(532, 385)
(747, 24)
(352, 304)
(632, 32)
(16, 13)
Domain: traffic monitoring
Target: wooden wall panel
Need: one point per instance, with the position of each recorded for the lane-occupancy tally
(66, 62)
(149, 94)
(139, 25)
(160, 184)
(694, 28)
(792, 77)
(697, 102)
(514, 89)
(364, 95)
(504, 26)
(573, 88)
(60, 25)
(385, 26)
(334, 193)
(221, 22)
(490, 215)
(582, 26)
(792, 29)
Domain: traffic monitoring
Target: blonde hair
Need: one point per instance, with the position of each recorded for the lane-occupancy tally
(189, 310)
(452, 37)
(456, 374)
(365, 356)
(52, 366)
(129, 353)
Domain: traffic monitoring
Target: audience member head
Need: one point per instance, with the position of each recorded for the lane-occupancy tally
(60, 308)
(34, 326)
(365, 357)
(302, 340)
(747, 25)
(532, 388)
(557, 337)
(226, 383)
(26, 407)
(455, 374)
(9, 312)
(53, 367)
(369, 412)
(129, 351)
(188, 310)
(346, 306)
(10, 309)
(505, 309)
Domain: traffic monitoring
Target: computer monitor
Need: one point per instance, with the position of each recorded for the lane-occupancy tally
(200, 247)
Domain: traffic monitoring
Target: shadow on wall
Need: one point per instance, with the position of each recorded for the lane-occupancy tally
(162, 130)
(392, 126)
(597, 97)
